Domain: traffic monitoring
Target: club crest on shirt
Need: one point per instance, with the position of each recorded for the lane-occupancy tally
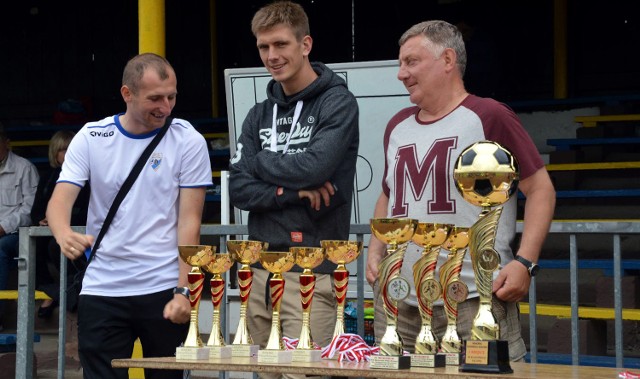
(155, 160)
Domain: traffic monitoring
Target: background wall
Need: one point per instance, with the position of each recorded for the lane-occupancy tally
(54, 51)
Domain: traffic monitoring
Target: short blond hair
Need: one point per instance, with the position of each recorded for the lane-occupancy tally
(60, 141)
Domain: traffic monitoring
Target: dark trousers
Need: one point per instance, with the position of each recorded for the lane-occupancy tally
(109, 326)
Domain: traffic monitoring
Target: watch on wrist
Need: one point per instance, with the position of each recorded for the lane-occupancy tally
(532, 268)
(184, 291)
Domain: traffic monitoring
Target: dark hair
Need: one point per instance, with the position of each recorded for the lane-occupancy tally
(281, 13)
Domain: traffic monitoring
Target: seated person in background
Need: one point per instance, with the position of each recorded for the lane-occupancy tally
(47, 250)
(18, 183)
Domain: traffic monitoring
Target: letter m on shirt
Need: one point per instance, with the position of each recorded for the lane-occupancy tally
(423, 178)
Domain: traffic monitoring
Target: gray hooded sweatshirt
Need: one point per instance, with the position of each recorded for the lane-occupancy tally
(321, 146)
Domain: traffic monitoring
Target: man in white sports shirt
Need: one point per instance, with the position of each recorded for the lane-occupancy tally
(134, 287)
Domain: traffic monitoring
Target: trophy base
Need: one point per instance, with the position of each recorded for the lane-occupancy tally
(220, 352)
(306, 355)
(428, 360)
(192, 353)
(486, 357)
(393, 362)
(244, 350)
(274, 356)
(452, 359)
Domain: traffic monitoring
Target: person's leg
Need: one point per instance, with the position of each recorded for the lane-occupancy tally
(508, 316)
(104, 333)
(8, 251)
(259, 313)
(323, 310)
(259, 309)
(159, 337)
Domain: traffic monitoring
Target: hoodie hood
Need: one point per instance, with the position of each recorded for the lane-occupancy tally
(325, 80)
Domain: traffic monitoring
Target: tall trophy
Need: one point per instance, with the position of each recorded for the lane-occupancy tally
(395, 232)
(341, 252)
(195, 256)
(486, 175)
(218, 265)
(276, 262)
(454, 291)
(245, 253)
(428, 290)
(308, 258)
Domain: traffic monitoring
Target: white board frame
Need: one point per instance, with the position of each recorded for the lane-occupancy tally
(379, 94)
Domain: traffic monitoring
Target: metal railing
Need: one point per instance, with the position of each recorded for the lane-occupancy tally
(26, 284)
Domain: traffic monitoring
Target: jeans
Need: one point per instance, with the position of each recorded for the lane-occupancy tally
(8, 251)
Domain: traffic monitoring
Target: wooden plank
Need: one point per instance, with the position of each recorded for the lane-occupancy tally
(30, 143)
(591, 121)
(13, 295)
(592, 166)
(328, 367)
(583, 312)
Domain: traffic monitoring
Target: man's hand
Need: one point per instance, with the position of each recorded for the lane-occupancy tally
(319, 195)
(73, 244)
(512, 282)
(178, 310)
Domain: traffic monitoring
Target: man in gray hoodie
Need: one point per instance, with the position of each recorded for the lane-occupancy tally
(294, 166)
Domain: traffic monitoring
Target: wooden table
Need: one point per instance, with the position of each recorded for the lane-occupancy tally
(349, 369)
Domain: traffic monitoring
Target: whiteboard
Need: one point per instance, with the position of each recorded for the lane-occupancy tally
(379, 94)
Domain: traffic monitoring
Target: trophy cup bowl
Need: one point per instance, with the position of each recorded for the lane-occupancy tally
(307, 258)
(245, 252)
(393, 231)
(276, 262)
(486, 175)
(393, 287)
(195, 256)
(341, 252)
(220, 263)
(429, 236)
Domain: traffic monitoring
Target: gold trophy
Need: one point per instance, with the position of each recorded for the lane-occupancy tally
(486, 175)
(393, 287)
(308, 258)
(195, 256)
(218, 265)
(276, 262)
(428, 290)
(245, 253)
(341, 252)
(455, 291)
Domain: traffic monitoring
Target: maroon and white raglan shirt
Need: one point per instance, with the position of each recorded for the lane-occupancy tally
(418, 173)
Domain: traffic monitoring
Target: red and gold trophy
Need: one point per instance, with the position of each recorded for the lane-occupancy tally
(395, 232)
(308, 258)
(486, 175)
(218, 265)
(455, 291)
(195, 256)
(341, 252)
(245, 253)
(428, 290)
(276, 262)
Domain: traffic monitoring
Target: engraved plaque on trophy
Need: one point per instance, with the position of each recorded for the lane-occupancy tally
(454, 291)
(341, 252)
(308, 258)
(218, 265)
(276, 262)
(245, 253)
(428, 290)
(195, 256)
(486, 175)
(395, 232)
